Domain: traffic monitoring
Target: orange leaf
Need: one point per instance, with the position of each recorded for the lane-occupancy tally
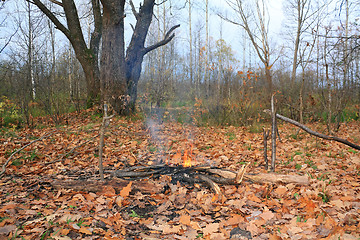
(267, 215)
(185, 219)
(254, 198)
(108, 191)
(234, 220)
(85, 230)
(211, 228)
(126, 190)
(274, 237)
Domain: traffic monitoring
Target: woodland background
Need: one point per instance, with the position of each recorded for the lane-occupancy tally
(312, 65)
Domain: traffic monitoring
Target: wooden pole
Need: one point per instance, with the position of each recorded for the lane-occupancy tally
(273, 134)
(105, 123)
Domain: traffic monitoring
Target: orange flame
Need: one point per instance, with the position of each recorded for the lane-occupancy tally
(186, 159)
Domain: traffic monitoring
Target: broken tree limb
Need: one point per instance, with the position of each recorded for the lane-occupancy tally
(12, 155)
(320, 135)
(240, 175)
(217, 175)
(278, 178)
(210, 183)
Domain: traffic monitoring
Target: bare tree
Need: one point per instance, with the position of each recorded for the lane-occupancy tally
(255, 21)
(300, 12)
(119, 69)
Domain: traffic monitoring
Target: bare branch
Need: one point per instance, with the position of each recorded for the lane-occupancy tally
(158, 4)
(56, 2)
(9, 40)
(136, 14)
(320, 135)
(166, 39)
(52, 17)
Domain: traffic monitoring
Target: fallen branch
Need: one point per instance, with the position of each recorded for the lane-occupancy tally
(278, 178)
(178, 173)
(13, 154)
(273, 134)
(216, 175)
(320, 135)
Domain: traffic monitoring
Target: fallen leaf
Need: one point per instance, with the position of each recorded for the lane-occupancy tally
(234, 220)
(254, 198)
(281, 191)
(294, 230)
(7, 229)
(267, 215)
(118, 201)
(211, 228)
(85, 230)
(185, 219)
(61, 238)
(126, 190)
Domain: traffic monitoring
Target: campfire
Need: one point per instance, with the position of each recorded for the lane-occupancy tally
(183, 168)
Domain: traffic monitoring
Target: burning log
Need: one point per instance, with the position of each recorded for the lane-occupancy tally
(207, 175)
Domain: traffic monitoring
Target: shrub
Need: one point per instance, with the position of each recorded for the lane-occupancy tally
(10, 114)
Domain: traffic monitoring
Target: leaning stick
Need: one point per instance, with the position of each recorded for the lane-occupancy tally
(320, 135)
(13, 154)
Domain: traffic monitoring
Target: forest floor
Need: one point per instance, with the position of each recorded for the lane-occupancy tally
(31, 207)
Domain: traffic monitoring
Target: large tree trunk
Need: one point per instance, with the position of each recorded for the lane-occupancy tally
(112, 65)
(92, 77)
(136, 50)
(87, 57)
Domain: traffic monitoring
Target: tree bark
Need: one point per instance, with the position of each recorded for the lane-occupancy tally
(112, 64)
(136, 51)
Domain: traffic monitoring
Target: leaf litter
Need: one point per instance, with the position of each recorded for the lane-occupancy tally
(32, 208)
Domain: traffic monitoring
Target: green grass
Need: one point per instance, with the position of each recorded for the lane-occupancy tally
(17, 162)
(231, 135)
(134, 214)
(324, 196)
(152, 149)
(255, 128)
(311, 164)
